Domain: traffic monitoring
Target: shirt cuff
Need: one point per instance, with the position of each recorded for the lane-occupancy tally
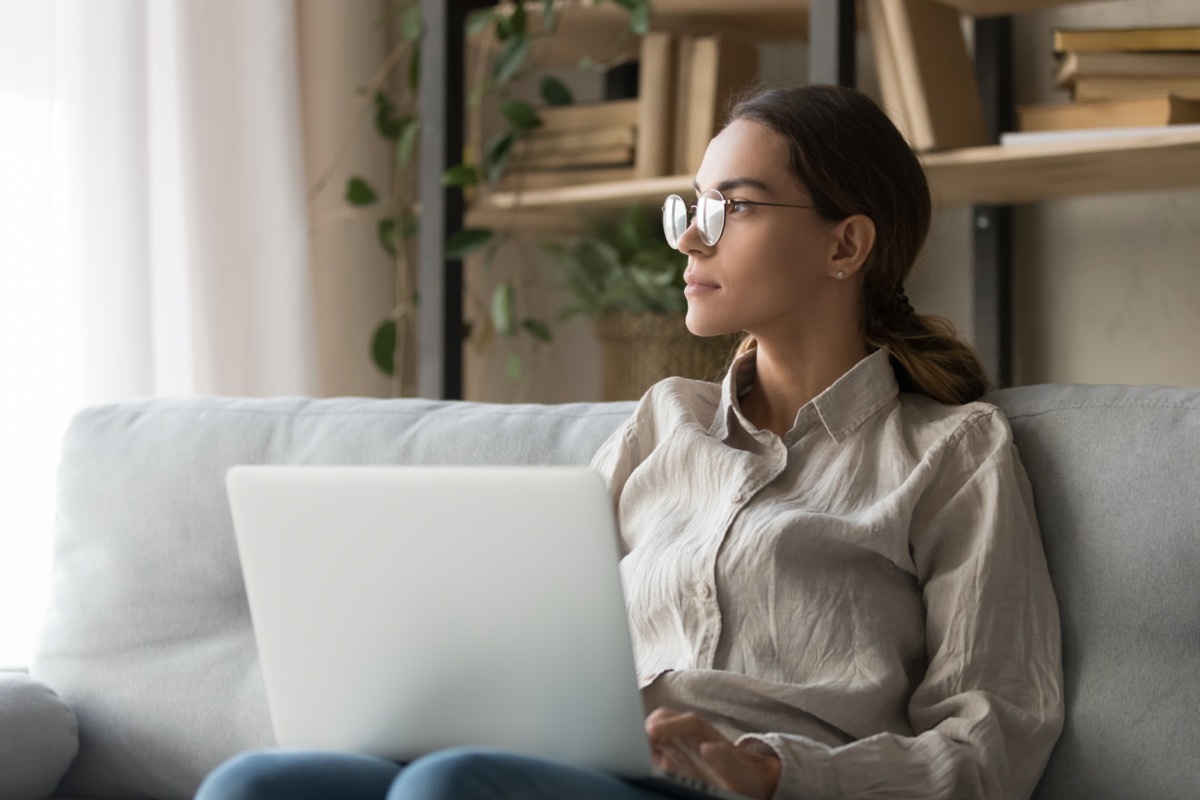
(806, 774)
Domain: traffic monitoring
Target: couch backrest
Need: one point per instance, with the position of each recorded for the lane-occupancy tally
(149, 638)
(1116, 480)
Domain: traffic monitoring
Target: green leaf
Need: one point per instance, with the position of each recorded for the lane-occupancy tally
(503, 28)
(499, 148)
(503, 303)
(359, 193)
(387, 235)
(549, 15)
(639, 15)
(520, 115)
(511, 59)
(386, 121)
(539, 329)
(410, 23)
(407, 141)
(555, 92)
(383, 347)
(513, 368)
(409, 223)
(517, 22)
(414, 67)
(477, 21)
(467, 240)
(460, 175)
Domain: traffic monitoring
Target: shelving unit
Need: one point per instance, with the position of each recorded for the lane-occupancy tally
(997, 175)
(990, 178)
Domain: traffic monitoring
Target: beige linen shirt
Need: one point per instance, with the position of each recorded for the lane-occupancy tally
(867, 596)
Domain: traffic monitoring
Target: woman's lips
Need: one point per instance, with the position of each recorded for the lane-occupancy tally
(697, 286)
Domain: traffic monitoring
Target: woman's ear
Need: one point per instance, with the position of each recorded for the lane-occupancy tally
(853, 239)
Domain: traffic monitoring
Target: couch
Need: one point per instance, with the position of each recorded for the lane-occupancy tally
(146, 676)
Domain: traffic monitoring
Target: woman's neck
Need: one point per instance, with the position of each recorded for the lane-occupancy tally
(786, 380)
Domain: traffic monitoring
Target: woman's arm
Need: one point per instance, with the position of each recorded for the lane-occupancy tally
(990, 706)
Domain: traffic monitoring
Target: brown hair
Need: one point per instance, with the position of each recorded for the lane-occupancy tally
(843, 148)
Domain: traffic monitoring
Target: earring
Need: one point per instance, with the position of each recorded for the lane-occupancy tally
(841, 274)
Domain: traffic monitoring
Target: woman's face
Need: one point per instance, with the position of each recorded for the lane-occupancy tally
(770, 265)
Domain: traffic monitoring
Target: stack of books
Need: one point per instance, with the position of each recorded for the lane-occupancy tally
(1122, 78)
(576, 144)
(685, 87)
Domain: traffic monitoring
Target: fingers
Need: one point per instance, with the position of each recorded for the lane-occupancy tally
(682, 742)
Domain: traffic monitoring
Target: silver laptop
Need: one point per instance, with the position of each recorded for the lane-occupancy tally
(401, 610)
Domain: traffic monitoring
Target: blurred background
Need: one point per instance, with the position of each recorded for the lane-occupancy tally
(213, 197)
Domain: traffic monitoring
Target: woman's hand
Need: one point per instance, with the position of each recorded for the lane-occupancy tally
(684, 743)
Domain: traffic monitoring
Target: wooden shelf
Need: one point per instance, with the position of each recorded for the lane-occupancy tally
(1027, 173)
(986, 175)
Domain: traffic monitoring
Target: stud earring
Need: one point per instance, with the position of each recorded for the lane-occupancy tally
(841, 274)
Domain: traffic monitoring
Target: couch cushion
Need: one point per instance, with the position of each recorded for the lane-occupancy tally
(1116, 473)
(38, 739)
(148, 637)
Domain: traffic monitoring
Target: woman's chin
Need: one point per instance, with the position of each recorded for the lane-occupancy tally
(698, 326)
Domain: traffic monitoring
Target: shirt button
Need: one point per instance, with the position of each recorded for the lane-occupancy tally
(704, 590)
(738, 498)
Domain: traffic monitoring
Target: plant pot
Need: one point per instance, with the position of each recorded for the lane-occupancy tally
(642, 349)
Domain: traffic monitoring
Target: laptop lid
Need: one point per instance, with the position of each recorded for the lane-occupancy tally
(401, 610)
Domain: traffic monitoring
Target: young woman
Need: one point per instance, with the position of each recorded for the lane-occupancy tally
(834, 574)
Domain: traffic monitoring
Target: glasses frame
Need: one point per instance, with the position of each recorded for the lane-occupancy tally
(692, 216)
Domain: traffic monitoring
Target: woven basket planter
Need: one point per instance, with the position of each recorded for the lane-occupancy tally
(642, 349)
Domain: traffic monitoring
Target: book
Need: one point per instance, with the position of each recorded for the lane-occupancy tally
(1184, 38)
(559, 178)
(596, 157)
(656, 106)
(890, 87)
(933, 73)
(1075, 66)
(1118, 88)
(1135, 112)
(1017, 138)
(711, 70)
(536, 143)
(588, 115)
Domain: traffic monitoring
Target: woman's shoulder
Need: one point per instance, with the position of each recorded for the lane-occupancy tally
(933, 421)
(675, 401)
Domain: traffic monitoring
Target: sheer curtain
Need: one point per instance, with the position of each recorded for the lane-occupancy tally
(154, 237)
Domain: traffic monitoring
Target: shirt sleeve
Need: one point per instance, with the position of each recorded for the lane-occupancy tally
(989, 707)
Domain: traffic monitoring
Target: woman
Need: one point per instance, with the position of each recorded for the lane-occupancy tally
(834, 574)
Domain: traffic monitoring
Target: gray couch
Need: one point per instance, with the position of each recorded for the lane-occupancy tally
(148, 643)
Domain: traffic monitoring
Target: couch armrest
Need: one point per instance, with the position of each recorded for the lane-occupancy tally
(38, 737)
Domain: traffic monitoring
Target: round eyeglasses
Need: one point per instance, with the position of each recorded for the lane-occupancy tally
(709, 214)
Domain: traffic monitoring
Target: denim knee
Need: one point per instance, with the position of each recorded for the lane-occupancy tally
(246, 776)
(299, 775)
(456, 774)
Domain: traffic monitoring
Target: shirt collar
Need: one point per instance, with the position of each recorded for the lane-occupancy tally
(864, 389)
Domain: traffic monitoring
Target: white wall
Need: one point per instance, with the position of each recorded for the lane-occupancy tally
(341, 46)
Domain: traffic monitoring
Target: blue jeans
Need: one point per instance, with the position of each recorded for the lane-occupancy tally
(458, 774)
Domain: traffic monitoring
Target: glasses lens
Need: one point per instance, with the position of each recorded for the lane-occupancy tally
(710, 216)
(674, 219)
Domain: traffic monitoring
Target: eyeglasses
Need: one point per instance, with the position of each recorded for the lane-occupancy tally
(709, 214)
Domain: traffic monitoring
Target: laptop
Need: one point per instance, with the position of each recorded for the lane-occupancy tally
(402, 610)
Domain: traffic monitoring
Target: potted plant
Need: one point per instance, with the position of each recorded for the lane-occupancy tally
(622, 274)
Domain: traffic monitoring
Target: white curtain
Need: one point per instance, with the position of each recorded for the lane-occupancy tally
(154, 236)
